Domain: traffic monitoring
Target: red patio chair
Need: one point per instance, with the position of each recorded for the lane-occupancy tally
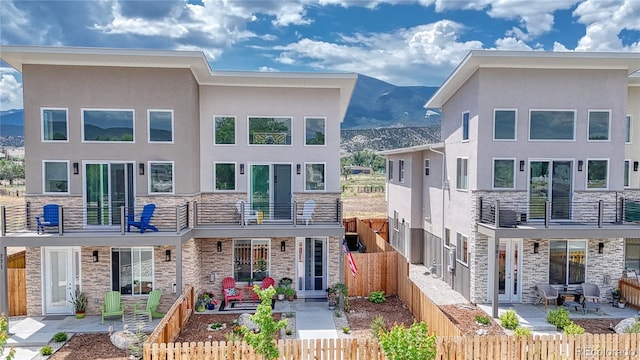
(229, 291)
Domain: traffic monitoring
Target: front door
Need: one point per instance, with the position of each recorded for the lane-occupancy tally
(311, 269)
(552, 181)
(108, 186)
(271, 190)
(509, 278)
(61, 278)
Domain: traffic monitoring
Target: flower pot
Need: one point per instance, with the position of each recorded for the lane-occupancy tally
(621, 305)
(290, 297)
(200, 308)
(79, 314)
(281, 297)
(211, 306)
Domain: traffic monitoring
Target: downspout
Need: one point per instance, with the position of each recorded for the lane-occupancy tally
(444, 182)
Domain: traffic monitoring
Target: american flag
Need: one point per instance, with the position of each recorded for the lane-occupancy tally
(352, 264)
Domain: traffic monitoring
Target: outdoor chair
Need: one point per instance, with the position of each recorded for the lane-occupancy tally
(112, 305)
(249, 214)
(266, 282)
(590, 297)
(151, 308)
(145, 219)
(229, 291)
(49, 217)
(547, 292)
(307, 211)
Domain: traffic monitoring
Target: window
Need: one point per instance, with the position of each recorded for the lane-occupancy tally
(314, 131)
(107, 125)
(551, 125)
(224, 129)
(503, 173)
(598, 125)
(504, 125)
(597, 174)
(132, 270)
(461, 174)
(54, 125)
(465, 126)
(251, 259)
(401, 170)
(390, 170)
(627, 173)
(632, 254)
(427, 165)
(462, 250)
(225, 176)
(56, 176)
(447, 237)
(161, 177)
(314, 177)
(627, 137)
(160, 125)
(269, 131)
(567, 262)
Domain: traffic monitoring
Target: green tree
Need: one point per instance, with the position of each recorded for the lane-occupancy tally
(263, 342)
(414, 343)
(11, 170)
(4, 336)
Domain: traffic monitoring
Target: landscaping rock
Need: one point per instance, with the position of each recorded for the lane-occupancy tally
(244, 320)
(123, 339)
(624, 324)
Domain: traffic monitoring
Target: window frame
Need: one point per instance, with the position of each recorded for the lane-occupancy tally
(324, 176)
(288, 136)
(235, 129)
(427, 167)
(462, 252)
(574, 111)
(515, 124)
(465, 161)
(133, 126)
(401, 171)
(493, 174)
(586, 260)
(589, 112)
(447, 238)
(466, 120)
(606, 187)
(44, 178)
(390, 170)
(626, 172)
(150, 173)
(153, 272)
(324, 130)
(253, 241)
(235, 176)
(66, 115)
(628, 123)
(170, 111)
(631, 244)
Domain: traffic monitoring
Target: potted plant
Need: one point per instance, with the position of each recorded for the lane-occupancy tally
(250, 282)
(290, 293)
(331, 297)
(205, 301)
(79, 301)
(280, 292)
(621, 302)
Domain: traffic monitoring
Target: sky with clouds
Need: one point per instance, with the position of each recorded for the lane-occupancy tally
(404, 42)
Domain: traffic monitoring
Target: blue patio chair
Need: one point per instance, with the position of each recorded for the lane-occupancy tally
(49, 217)
(145, 218)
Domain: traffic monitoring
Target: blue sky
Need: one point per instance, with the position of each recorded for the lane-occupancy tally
(403, 42)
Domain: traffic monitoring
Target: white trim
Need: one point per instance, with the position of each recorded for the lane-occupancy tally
(236, 170)
(589, 111)
(42, 110)
(586, 185)
(44, 179)
(251, 241)
(235, 129)
(149, 126)
(133, 126)
(627, 162)
(630, 117)
(304, 186)
(575, 112)
(468, 126)
(466, 189)
(461, 248)
(550, 162)
(249, 117)
(153, 268)
(324, 130)
(493, 173)
(515, 124)
(401, 170)
(173, 177)
(586, 259)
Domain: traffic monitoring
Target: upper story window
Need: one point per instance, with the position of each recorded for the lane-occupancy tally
(269, 131)
(599, 125)
(225, 176)
(224, 129)
(504, 124)
(314, 176)
(161, 177)
(627, 134)
(461, 174)
(314, 131)
(390, 170)
(401, 170)
(427, 166)
(504, 173)
(597, 171)
(132, 270)
(55, 176)
(160, 124)
(107, 125)
(552, 125)
(54, 125)
(465, 126)
(627, 173)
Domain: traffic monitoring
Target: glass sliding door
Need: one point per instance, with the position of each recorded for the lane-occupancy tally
(561, 190)
(550, 181)
(270, 190)
(108, 186)
(538, 188)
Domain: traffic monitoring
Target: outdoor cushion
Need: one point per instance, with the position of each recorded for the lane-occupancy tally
(230, 292)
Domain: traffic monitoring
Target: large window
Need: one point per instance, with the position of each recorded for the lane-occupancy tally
(132, 270)
(504, 124)
(401, 171)
(56, 176)
(462, 174)
(427, 166)
(627, 173)
(251, 259)
(597, 174)
(627, 134)
(107, 125)
(503, 173)
(462, 248)
(314, 131)
(54, 125)
(160, 125)
(552, 125)
(632, 254)
(465, 126)
(225, 175)
(161, 177)
(567, 262)
(390, 170)
(314, 177)
(224, 129)
(599, 125)
(269, 131)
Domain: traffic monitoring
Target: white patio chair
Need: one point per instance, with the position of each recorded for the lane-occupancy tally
(249, 214)
(307, 211)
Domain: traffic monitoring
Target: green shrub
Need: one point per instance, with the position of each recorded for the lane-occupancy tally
(4, 336)
(377, 297)
(345, 329)
(60, 337)
(377, 326)
(522, 331)
(483, 320)
(413, 343)
(559, 318)
(573, 329)
(288, 332)
(633, 329)
(509, 319)
(46, 350)
(263, 342)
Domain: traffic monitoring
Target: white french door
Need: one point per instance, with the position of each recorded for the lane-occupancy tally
(61, 278)
(509, 274)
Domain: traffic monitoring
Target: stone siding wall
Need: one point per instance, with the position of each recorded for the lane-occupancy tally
(33, 265)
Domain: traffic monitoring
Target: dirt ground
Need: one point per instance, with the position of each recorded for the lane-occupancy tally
(196, 328)
(465, 319)
(89, 347)
(363, 312)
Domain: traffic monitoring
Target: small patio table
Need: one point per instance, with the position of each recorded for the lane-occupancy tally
(570, 298)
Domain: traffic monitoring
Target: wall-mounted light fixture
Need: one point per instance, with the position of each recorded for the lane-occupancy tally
(95, 256)
(212, 277)
(241, 169)
(298, 169)
(174, 288)
(522, 165)
(580, 165)
(283, 245)
(536, 247)
(219, 246)
(167, 255)
(635, 166)
(141, 169)
(600, 248)
(76, 168)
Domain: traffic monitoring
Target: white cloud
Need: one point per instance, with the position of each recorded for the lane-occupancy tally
(10, 91)
(510, 43)
(267, 69)
(604, 20)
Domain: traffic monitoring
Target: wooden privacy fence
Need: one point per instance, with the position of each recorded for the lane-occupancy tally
(17, 287)
(365, 226)
(376, 271)
(630, 290)
(172, 323)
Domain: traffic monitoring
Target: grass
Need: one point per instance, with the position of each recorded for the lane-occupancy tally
(359, 203)
(12, 200)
